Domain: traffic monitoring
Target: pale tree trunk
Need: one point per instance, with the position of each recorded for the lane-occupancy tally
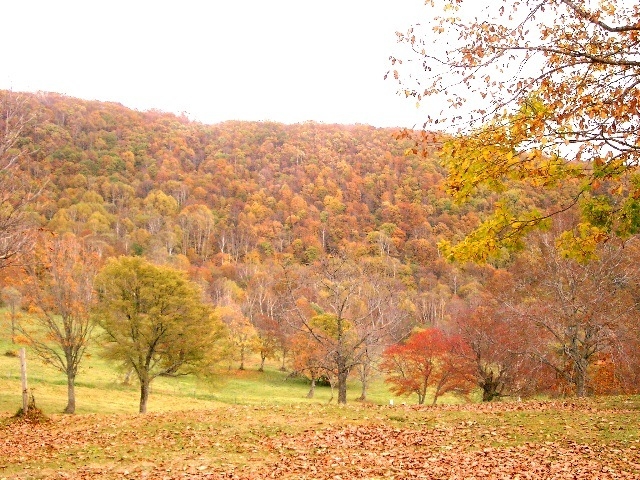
(363, 393)
(312, 390)
(364, 370)
(13, 325)
(127, 377)
(332, 384)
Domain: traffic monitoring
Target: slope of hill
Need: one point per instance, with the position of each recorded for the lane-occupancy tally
(148, 182)
(155, 184)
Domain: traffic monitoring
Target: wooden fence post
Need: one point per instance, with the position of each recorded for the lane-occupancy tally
(23, 374)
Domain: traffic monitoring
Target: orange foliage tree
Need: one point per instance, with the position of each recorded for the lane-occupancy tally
(310, 358)
(498, 345)
(59, 289)
(428, 358)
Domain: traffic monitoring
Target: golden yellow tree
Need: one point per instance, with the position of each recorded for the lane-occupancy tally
(543, 92)
(243, 337)
(154, 321)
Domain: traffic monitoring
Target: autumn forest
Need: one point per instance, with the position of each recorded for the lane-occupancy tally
(316, 246)
(459, 299)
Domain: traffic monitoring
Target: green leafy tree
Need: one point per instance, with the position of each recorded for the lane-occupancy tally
(154, 321)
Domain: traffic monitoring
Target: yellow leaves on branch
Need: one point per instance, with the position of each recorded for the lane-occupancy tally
(581, 243)
(495, 237)
(490, 156)
(551, 79)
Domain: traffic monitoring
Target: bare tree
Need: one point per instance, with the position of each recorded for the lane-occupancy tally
(581, 310)
(17, 190)
(339, 304)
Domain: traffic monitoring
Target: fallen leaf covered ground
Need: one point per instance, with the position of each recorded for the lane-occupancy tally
(594, 439)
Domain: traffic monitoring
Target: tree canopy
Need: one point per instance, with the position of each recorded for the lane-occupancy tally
(154, 320)
(291, 225)
(428, 359)
(544, 92)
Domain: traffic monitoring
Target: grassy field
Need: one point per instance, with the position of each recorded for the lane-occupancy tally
(100, 388)
(247, 425)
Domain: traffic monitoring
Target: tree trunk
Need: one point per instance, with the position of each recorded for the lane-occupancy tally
(364, 380)
(581, 379)
(332, 384)
(144, 395)
(262, 359)
(283, 367)
(489, 391)
(343, 375)
(127, 377)
(312, 390)
(71, 394)
(363, 393)
(241, 359)
(13, 328)
(490, 387)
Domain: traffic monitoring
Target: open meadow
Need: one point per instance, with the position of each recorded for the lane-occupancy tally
(259, 425)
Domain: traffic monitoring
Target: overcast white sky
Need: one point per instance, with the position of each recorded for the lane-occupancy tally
(282, 60)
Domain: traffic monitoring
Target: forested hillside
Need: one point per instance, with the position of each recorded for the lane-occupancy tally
(156, 184)
(317, 241)
(193, 195)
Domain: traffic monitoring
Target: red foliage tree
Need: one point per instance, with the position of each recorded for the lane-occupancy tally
(497, 350)
(428, 358)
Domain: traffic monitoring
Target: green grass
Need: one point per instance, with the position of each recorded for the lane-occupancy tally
(100, 388)
(253, 441)
(253, 422)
